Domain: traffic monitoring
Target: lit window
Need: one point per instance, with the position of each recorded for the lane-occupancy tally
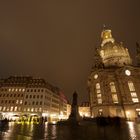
(7, 108)
(36, 109)
(20, 101)
(32, 110)
(15, 108)
(40, 109)
(11, 109)
(9, 89)
(98, 95)
(16, 89)
(28, 109)
(12, 89)
(98, 91)
(133, 94)
(95, 76)
(97, 86)
(20, 89)
(4, 108)
(19, 108)
(99, 101)
(115, 98)
(112, 87)
(131, 86)
(23, 89)
(135, 100)
(17, 101)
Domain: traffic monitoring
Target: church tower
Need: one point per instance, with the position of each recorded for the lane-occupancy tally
(114, 83)
(113, 53)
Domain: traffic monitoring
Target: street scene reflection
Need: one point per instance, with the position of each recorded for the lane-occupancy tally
(126, 131)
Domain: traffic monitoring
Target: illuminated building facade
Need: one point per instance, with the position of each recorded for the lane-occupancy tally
(84, 109)
(28, 96)
(114, 83)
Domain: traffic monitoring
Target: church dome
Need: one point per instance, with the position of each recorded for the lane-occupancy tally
(112, 53)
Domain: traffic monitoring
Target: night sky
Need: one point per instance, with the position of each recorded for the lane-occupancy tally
(55, 39)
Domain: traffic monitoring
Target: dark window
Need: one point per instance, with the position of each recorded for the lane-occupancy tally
(2, 101)
(9, 101)
(28, 90)
(11, 95)
(41, 96)
(26, 96)
(18, 95)
(38, 90)
(37, 96)
(3, 95)
(35, 90)
(13, 102)
(7, 95)
(31, 90)
(36, 103)
(30, 96)
(14, 95)
(5, 101)
(34, 96)
(25, 103)
(21, 95)
(42, 90)
(40, 103)
(33, 103)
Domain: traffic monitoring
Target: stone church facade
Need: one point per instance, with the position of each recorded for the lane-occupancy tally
(114, 83)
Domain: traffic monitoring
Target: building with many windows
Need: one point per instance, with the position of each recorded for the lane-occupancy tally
(114, 83)
(84, 109)
(27, 96)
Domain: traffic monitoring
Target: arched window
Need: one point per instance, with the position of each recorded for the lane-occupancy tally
(112, 87)
(97, 86)
(98, 91)
(132, 92)
(131, 86)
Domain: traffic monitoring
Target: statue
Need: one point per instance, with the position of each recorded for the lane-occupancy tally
(74, 116)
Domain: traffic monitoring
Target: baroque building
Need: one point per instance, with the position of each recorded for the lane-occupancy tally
(25, 96)
(114, 82)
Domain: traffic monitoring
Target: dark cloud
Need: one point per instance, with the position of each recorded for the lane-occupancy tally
(55, 39)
